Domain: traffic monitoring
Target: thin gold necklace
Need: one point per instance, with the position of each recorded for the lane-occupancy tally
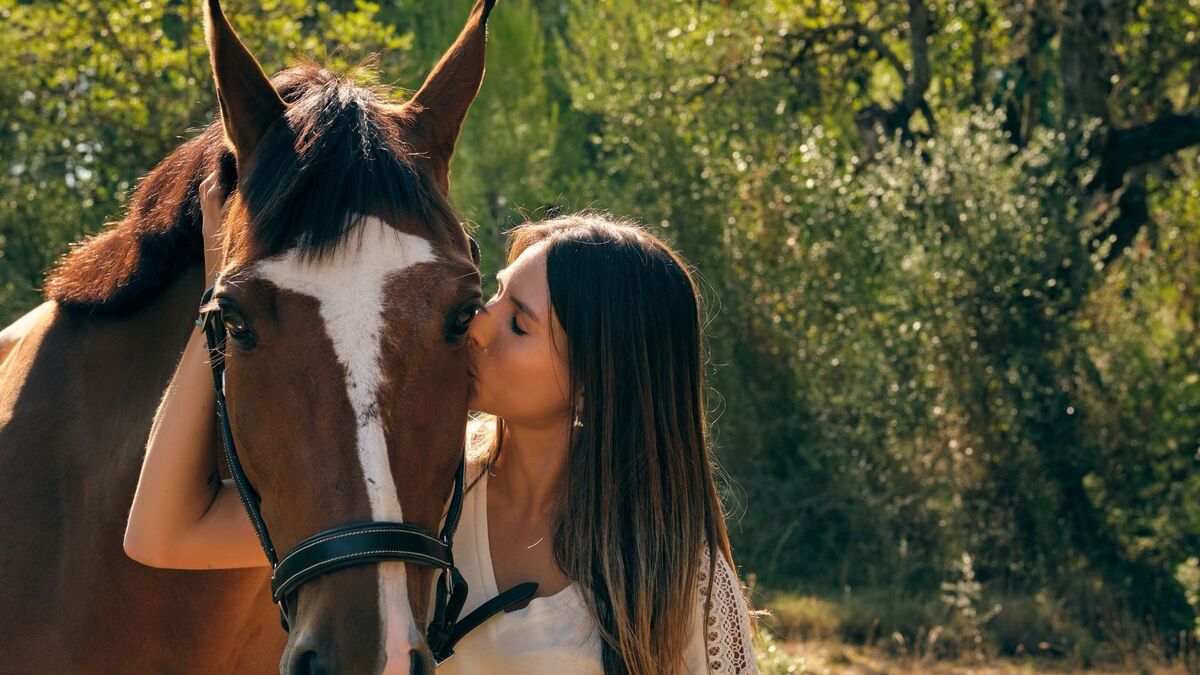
(534, 543)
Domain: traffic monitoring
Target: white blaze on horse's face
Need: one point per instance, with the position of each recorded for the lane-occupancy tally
(349, 286)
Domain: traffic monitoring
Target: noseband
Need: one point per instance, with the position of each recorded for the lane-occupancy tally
(360, 543)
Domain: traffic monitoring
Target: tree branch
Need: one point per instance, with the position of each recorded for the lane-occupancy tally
(1125, 149)
(916, 79)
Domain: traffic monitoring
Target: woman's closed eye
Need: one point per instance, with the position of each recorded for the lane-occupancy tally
(512, 322)
(516, 329)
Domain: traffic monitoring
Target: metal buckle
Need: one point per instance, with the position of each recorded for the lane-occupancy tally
(283, 617)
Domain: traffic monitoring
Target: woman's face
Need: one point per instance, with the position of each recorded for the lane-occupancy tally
(516, 371)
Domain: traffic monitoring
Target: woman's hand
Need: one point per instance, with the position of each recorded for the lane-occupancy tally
(213, 207)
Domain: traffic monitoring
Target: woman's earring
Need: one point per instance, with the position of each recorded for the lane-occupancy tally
(577, 422)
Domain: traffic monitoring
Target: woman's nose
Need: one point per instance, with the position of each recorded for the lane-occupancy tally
(480, 330)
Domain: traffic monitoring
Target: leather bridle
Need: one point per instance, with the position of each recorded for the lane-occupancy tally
(359, 543)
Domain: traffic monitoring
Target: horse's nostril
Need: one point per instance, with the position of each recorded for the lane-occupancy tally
(308, 663)
(420, 662)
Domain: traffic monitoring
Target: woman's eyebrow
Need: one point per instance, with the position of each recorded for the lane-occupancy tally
(522, 307)
(525, 308)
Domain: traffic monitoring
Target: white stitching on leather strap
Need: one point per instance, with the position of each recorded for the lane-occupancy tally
(359, 554)
(331, 537)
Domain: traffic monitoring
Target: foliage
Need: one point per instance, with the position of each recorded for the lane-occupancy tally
(94, 94)
(926, 311)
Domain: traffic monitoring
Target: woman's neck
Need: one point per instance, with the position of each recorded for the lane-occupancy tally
(530, 467)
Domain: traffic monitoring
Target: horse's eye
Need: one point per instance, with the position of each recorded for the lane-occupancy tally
(237, 328)
(466, 314)
(234, 322)
(462, 321)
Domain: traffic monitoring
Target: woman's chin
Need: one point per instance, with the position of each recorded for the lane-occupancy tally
(478, 405)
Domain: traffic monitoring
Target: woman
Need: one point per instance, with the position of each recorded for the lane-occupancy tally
(589, 470)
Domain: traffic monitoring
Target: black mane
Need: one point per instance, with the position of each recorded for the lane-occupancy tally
(337, 153)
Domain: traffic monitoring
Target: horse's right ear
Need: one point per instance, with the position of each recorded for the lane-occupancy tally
(435, 114)
(249, 104)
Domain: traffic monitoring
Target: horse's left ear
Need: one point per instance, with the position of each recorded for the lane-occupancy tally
(435, 114)
(249, 104)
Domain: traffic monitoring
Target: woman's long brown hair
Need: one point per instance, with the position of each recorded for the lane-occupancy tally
(639, 502)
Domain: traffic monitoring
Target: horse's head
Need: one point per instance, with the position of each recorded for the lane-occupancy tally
(345, 296)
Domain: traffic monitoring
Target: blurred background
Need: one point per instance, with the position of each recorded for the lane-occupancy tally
(949, 251)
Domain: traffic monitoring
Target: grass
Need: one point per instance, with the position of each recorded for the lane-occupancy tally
(886, 633)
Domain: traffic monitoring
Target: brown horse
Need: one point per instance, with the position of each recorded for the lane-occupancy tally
(346, 288)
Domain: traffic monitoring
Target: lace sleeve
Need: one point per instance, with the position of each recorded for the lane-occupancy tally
(721, 641)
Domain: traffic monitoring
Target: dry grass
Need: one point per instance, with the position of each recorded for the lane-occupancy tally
(834, 658)
(889, 633)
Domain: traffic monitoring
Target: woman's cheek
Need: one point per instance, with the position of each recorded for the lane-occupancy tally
(522, 382)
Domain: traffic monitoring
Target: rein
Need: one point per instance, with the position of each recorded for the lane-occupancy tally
(358, 543)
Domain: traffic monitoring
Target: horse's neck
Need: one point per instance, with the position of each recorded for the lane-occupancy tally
(77, 398)
(74, 374)
(33, 323)
(137, 354)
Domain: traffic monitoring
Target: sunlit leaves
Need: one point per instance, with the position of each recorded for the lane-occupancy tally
(97, 93)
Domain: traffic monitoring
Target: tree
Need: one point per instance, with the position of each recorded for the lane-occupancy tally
(95, 94)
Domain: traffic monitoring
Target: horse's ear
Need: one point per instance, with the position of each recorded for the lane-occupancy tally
(249, 104)
(434, 115)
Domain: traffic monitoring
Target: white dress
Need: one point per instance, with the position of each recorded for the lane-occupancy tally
(555, 634)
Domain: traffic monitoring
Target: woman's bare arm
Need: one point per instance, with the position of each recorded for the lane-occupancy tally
(183, 515)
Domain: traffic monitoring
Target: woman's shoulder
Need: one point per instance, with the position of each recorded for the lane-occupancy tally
(724, 629)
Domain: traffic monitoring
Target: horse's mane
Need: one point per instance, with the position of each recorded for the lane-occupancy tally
(119, 269)
(338, 154)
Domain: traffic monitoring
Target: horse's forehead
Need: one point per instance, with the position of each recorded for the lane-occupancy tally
(365, 259)
(349, 286)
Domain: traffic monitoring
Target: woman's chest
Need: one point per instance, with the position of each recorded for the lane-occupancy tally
(553, 633)
(546, 642)
(521, 550)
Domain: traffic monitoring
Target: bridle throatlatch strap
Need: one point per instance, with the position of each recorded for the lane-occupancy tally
(516, 595)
